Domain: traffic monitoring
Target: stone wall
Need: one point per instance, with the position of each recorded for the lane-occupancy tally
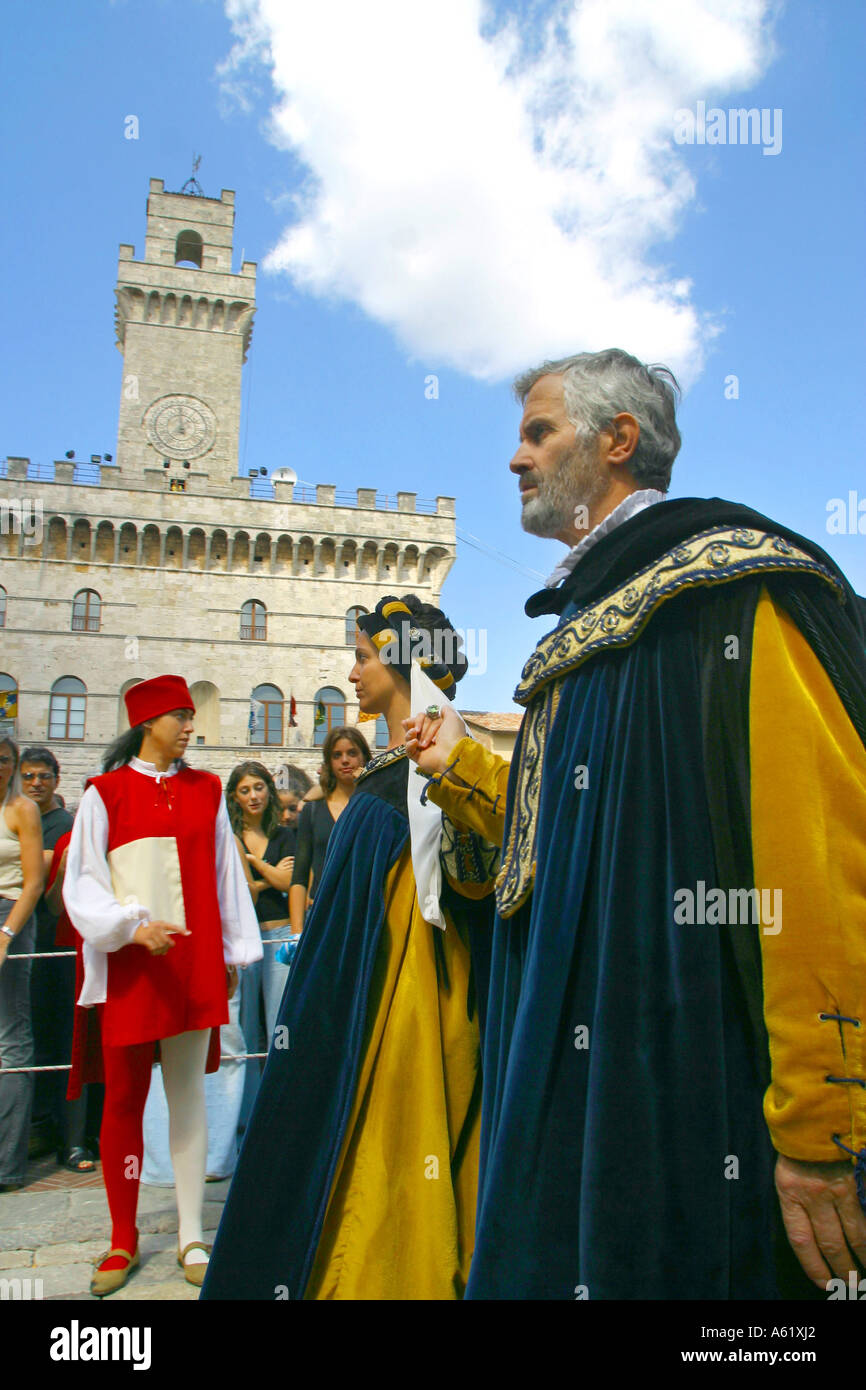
(172, 573)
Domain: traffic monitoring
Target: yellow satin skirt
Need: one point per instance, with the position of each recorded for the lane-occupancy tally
(401, 1215)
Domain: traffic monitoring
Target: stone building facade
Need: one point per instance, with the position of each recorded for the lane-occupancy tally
(167, 560)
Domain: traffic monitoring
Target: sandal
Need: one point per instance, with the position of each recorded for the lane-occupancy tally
(194, 1274)
(107, 1281)
(79, 1161)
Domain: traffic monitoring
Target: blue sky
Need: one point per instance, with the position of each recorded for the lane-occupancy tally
(474, 190)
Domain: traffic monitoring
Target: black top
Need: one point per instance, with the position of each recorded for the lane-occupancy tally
(55, 823)
(272, 905)
(314, 831)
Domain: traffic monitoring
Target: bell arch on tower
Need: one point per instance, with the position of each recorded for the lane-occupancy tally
(183, 324)
(188, 248)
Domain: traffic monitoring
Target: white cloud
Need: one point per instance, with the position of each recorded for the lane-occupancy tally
(494, 194)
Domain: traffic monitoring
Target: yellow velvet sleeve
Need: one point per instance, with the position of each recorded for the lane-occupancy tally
(480, 806)
(808, 803)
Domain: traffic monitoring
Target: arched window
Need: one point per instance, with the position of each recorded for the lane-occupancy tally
(86, 610)
(254, 621)
(206, 698)
(266, 715)
(188, 249)
(330, 712)
(122, 716)
(352, 615)
(381, 732)
(8, 704)
(2, 606)
(67, 708)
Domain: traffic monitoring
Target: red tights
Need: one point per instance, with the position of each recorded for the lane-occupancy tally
(121, 1144)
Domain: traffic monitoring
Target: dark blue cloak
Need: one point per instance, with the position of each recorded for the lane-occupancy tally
(267, 1239)
(606, 1168)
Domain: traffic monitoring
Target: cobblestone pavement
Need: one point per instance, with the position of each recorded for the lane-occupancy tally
(53, 1229)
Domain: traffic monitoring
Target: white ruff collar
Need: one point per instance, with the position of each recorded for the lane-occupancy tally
(628, 507)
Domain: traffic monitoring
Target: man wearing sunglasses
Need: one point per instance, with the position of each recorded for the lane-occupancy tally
(40, 774)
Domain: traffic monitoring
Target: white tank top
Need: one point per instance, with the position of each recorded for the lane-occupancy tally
(11, 873)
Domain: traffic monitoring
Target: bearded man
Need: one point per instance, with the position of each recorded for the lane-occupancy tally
(677, 1000)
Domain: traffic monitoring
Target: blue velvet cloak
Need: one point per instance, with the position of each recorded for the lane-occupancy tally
(273, 1216)
(604, 1161)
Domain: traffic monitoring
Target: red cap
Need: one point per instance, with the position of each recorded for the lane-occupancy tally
(150, 699)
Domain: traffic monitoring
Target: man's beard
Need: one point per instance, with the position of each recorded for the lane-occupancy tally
(576, 481)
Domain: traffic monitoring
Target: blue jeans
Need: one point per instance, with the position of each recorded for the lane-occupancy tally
(16, 1050)
(261, 983)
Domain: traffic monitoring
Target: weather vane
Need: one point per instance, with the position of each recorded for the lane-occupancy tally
(192, 185)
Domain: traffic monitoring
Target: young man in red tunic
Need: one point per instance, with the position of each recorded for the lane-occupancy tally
(155, 887)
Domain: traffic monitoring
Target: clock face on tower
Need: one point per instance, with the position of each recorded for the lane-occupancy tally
(180, 427)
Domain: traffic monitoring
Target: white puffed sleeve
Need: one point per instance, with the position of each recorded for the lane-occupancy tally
(242, 939)
(93, 909)
(104, 923)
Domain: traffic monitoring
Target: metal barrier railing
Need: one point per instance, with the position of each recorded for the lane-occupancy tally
(232, 1058)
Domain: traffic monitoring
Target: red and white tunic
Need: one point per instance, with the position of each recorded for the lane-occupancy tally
(153, 846)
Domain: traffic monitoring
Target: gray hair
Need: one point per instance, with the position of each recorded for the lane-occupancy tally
(598, 385)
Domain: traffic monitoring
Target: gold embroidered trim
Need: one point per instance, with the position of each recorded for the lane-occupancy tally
(517, 875)
(466, 856)
(380, 760)
(711, 557)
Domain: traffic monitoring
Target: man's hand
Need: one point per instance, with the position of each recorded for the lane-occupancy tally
(429, 742)
(156, 936)
(231, 980)
(823, 1217)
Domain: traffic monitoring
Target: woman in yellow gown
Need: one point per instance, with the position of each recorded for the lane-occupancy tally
(358, 1174)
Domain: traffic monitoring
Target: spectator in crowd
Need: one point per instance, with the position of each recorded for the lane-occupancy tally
(315, 793)
(22, 873)
(268, 846)
(53, 981)
(344, 753)
(80, 1118)
(292, 785)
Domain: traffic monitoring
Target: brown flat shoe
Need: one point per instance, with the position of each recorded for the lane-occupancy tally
(193, 1274)
(106, 1281)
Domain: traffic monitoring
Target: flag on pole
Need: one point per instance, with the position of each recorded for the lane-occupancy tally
(321, 714)
(293, 709)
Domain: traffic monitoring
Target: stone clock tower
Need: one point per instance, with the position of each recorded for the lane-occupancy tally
(184, 323)
(166, 559)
